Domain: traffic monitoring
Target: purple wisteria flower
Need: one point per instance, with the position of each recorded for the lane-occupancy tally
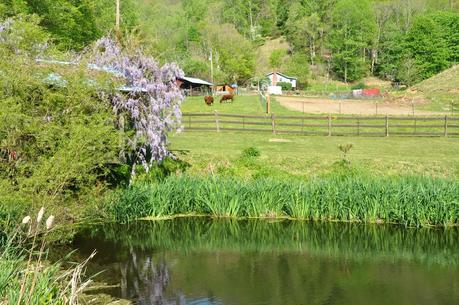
(4, 27)
(152, 101)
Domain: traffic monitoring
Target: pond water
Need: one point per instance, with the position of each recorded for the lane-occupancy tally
(204, 261)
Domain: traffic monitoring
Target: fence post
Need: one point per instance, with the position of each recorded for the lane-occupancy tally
(273, 123)
(446, 126)
(340, 106)
(302, 125)
(268, 103)
(387, 125)
(329, 125)
(358, 127)
(376, 107)
(217, 121)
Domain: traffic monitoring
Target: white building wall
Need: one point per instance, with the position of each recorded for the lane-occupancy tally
(282, 79)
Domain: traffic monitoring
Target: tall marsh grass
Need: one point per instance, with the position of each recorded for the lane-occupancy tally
(25, 275)
(410, 201)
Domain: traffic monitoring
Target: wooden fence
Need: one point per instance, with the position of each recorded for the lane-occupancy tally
(324, 125)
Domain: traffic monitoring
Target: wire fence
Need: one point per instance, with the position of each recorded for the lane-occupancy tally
(330, 125)
(368, 107)
(263, 99)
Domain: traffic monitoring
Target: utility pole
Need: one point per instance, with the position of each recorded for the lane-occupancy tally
(211, 58)
(118, 18)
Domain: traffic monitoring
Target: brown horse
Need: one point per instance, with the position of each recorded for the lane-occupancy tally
(227, 97)
(209, 100)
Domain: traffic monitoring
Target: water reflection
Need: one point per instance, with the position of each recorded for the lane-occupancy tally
(225, 262)
(144, 280)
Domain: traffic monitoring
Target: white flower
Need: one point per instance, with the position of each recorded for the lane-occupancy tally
(49, 222)
(40, 214)
(25, 220)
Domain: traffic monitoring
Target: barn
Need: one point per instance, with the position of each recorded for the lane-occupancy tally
(225, 89)
(194, 86)
(276, 77)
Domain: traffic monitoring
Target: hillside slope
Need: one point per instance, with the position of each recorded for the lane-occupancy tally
(441, 90)
(264, 52)
(445, 82)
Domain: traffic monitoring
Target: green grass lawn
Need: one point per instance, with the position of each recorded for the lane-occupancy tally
(306, 156)
(315, 123)
(302, 156)
(243, 104)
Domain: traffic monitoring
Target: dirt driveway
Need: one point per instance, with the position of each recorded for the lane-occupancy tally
(358, 107)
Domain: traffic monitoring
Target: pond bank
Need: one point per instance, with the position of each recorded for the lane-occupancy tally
(408, 201)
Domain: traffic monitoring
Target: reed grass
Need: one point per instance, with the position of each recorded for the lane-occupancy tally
(409, 201)
(25, 275)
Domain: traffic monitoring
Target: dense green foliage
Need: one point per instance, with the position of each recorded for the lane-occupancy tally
(73, 23)
(408, 201)
(57, 135)
(348, 39)
(398, 40)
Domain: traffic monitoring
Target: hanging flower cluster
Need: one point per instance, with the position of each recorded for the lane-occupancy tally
(5, 25)
(151, 97)
(22, 35)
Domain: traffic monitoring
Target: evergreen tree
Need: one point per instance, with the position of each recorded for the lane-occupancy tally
(352, 34)
(425, 44)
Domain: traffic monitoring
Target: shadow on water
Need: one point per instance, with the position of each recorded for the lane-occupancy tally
(204, 261)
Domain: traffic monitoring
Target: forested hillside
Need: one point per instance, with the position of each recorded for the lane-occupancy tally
(398, 40)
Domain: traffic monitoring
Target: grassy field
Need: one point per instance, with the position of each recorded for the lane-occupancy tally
(305, 156)
(241, 105)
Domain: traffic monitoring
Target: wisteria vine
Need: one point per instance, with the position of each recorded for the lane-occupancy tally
(151, 98)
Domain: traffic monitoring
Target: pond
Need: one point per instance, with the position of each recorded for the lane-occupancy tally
(205, 261)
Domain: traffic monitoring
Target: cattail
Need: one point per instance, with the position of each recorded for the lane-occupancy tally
(49, 222)
(40, 214)
(25, 220)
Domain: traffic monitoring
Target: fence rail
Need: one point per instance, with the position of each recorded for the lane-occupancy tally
(330, 125)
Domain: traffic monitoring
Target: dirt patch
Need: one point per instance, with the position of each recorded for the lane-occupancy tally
(358, 107)
(280, 140)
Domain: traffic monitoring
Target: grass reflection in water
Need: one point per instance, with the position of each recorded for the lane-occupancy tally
(208, 261)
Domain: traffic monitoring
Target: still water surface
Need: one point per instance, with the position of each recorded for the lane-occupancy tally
(204, 261)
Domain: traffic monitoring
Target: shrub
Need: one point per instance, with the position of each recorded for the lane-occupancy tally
(358, 86)
(285, 86)
(251, 152)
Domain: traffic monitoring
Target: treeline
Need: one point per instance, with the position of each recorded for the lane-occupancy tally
(399, 40)
(73, 24)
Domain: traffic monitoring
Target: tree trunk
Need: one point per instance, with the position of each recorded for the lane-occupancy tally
(252, 30)
(345, 73)
(313, 52)
(374, 58)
